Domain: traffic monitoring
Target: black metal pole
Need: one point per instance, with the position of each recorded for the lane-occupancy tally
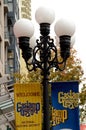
(46, 117)
(45, 73)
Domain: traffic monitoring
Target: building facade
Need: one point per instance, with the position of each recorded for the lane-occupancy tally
(9, 61)
(25, 9)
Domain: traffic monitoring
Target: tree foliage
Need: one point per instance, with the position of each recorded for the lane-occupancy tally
(83, 104)
(73, 71)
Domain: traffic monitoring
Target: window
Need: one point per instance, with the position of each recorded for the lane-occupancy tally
(9, 0)
(10, 62)
(10, 5)
(10, 54)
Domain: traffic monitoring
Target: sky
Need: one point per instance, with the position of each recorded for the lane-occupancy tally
(74, 10)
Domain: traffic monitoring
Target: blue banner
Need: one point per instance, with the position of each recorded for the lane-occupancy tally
(65, 109)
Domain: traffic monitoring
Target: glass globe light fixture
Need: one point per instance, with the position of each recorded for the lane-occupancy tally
(72, 41)
(44, 15)
(23, 28)
(64, 27)
(33, 42)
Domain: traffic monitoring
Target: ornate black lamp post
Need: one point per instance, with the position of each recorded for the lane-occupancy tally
(23, 30)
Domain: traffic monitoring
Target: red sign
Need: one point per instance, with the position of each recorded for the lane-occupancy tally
(82, 127)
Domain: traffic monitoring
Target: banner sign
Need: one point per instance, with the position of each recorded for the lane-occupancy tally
(65, 110)
(28, 111)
